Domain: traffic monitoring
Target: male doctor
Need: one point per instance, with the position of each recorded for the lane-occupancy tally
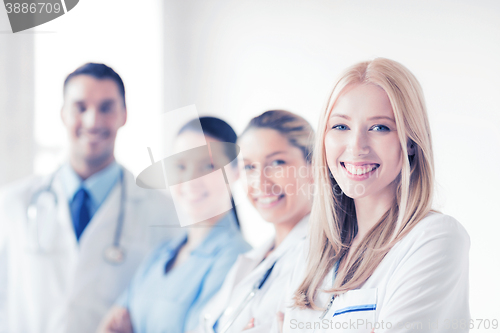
(70, 242)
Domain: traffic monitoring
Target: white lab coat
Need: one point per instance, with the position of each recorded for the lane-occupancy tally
(249, 269)
(70, 288)
(421, 285)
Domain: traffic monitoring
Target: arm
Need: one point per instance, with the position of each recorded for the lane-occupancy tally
(117, 320)
(3, 287)
(3, 265)
(430, 284)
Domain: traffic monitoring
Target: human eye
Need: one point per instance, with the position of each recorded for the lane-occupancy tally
(106, 107)
(248, 167)
(340, 127)
(380, 128)
(277, 162)
(208, 166)
(80, 107)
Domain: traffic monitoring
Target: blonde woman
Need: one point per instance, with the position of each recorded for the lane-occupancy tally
(379, 258)
(276, 148)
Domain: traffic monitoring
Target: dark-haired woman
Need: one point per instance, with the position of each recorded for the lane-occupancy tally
(173, 285)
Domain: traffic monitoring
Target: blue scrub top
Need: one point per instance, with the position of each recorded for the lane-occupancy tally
(172, 302)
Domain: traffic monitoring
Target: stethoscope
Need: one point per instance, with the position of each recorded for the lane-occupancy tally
(114, 254)
(256, 287)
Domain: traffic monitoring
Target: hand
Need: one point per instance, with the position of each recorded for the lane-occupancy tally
(251, 324)
(116, 321)
(280, 317)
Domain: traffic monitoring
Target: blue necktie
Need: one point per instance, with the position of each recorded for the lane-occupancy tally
(80, 213)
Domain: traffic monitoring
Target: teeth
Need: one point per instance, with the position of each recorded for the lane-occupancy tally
(267, 200)
(361, 170)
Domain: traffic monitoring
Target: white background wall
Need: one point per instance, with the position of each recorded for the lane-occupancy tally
(235, 59)
(122, 34)
(16, 102)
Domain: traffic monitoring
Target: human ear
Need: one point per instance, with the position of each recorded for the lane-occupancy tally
(124, 118)
(63, 116)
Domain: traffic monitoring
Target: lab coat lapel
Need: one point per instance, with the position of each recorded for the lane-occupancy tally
(64, 268)
(256, 256)
(297, 234)
(64, 219)
(105, 220)
(99, 233)
(247, 263)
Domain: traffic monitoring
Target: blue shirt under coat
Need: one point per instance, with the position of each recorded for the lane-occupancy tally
(171, 302)
(98, 186)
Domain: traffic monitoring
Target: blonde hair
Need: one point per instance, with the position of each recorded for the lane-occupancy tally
(333, 217)
(293, 127)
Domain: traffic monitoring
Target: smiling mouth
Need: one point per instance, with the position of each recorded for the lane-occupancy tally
(359, 170)
(268, 201)
(194, 200)
(93, 136)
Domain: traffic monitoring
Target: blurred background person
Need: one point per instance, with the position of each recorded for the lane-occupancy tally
(276, 148)
(70, 242)
(176, 281)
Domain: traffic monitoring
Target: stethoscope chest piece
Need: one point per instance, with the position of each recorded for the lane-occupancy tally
(114, 255)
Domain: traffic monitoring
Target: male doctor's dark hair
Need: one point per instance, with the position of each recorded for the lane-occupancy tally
(100, 72)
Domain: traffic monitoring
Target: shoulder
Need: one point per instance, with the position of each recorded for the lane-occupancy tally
(229, 248)
(160, 253)
(437, 227)
(226, 237)
(21, 186)
(19, 192)
(152, 200)
(235, 245)
(438, 240)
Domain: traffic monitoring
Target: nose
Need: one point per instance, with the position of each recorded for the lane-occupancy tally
(259, 180)
(358, 143)
(190, 181)
(91, 118)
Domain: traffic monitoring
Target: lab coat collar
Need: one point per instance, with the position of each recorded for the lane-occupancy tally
(71, 182)
(298, 233)
(248, 262)
(98, 185)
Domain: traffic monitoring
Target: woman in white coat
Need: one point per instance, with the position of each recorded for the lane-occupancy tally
(378, 259)
(276, 148)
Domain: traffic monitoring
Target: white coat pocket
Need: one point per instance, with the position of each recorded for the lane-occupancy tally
(353, 311)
